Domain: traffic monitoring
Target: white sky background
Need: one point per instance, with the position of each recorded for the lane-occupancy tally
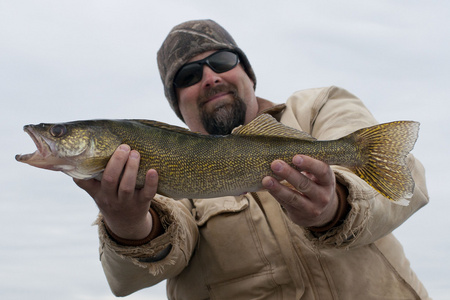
(71, 60)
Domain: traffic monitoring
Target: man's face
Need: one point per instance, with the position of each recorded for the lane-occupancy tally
(219, 102)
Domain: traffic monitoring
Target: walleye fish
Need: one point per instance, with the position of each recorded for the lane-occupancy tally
(192, 165)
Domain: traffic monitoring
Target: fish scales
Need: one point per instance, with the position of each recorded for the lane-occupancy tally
(202, 165)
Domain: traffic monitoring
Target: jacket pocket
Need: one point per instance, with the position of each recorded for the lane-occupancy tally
(204, 209)
(236, 243)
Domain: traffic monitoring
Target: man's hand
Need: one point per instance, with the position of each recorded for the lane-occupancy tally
(125, 209)
(313, 202)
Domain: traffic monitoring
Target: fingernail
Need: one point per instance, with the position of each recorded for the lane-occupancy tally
(297, 160)
(267, 183)
(152, 173)
(134, 154)
(125, 148)
(277, 166)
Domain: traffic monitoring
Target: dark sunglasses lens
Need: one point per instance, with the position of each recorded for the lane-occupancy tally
(192, 73)
(188, 75)
(223, 61)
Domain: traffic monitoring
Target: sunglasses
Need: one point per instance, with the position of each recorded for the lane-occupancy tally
(191, 73)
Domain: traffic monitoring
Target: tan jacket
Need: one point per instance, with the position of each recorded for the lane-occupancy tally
(246, 248)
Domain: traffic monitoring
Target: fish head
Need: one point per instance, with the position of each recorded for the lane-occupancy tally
(80, 149)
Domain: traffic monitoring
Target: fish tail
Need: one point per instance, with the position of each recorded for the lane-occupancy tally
(383, 151)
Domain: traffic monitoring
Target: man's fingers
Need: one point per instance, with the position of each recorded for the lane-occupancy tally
(128, 181)
(312, 178)
(314, 169)
(299, 181)
(319, 178)
(114, 168)
(314, 182)
(285, 195)
(151, 185)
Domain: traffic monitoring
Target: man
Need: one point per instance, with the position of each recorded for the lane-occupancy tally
(328, 236)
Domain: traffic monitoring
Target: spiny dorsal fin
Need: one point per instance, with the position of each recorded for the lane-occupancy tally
(165, 126)
(266, 125)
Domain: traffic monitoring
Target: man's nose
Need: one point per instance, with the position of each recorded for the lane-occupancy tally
(210, 78)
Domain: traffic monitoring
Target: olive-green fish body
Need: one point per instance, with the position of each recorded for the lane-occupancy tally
(193, 165)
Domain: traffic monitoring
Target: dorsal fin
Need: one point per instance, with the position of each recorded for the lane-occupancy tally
(266, 125)
(165, 126)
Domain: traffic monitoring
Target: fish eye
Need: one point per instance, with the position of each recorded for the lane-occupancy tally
(58, 130)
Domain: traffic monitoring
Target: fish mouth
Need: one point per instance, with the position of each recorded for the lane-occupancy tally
(43, 148)
(44, 156)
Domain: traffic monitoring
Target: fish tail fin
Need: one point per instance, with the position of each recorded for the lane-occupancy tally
(384, 148)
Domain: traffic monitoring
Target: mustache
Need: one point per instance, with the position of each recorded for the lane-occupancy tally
(209, 93)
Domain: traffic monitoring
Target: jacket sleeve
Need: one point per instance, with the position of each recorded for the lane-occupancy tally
(129, 268)
(331, 113)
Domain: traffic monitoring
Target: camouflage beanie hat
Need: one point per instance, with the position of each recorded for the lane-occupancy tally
(187, 40)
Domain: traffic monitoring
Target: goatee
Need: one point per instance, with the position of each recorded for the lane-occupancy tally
(224, 117)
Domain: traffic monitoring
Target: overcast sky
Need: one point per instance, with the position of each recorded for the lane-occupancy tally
(71, 60)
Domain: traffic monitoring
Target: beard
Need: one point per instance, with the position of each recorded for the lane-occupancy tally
(224, 117)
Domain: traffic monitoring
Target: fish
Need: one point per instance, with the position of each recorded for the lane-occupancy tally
(194, 165)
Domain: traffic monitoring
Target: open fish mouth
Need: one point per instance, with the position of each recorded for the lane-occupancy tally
(44, 157)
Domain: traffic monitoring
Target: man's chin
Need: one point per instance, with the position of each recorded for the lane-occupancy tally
(223, 118)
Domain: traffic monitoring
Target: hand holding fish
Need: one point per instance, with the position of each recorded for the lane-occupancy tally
(313, 201)
(125, 209)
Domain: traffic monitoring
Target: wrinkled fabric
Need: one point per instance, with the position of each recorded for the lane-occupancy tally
(231, 247)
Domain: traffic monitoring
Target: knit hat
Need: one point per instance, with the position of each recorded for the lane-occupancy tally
(187, 40)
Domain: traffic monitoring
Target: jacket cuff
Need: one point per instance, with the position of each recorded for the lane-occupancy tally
(342, 211)
(168, 251)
